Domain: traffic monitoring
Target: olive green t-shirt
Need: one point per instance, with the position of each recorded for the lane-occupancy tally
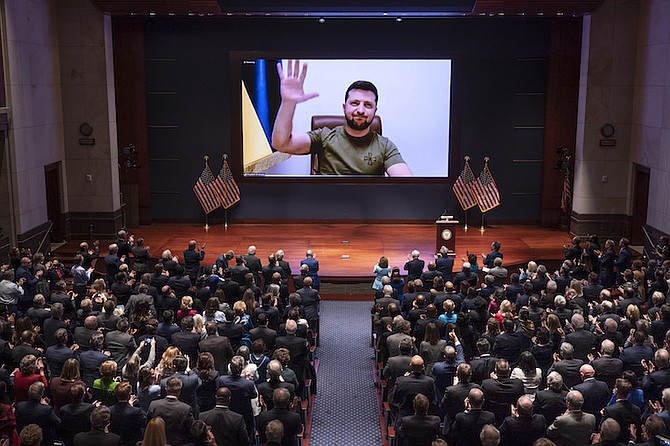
(342, 154)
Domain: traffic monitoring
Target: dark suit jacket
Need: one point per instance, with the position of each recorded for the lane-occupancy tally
(654, 383)
(128, 422)
(608, 369)
(550, 404)
(418, 430)
(569, 370)
(220, 348)
(227, 426)
(242, 391)
(192, 260)
(583, 341)
(187, 342)
(74, 419)
(291, 421)
(97, 438)
(178, 418)
(452, 402)
(310, 301)
(631, 357)
(522, 431)
(298, 348)
(445, 265)
(508, 346)
(232, 331)
(313, 266)
(254, 265)
(482, 368)
(467, 426)
(596, 396)
(231, 289)
(414, 268)
(500, 394)
(28, 412)
(407, 387)
(625, 413)
(266, 390)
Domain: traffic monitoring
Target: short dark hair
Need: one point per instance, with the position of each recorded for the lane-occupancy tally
(362, 85)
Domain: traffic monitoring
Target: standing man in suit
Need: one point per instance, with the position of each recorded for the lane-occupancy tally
(75, 417)
(623, 261)
(298, 348)
(28, 280)
(453, 401)
(550, 402)
(623, 411)
(502, 392)
(127, 421)
(310, 301)
(281, 411)
(99, 434)
(656, 375)
(414, 266)
(192, 258)
(606, 261)
(490, 257)
(567, 365)
(595, 394)
(582, 340)
(419, 429)
(444, 264)
(218, 346)
(227, 426)
(575, 427)
(190, 382)
(242, 392)
(253, 263)
(284, 264)
(523, 427)
(112, 263)
(468, 425)
(178, 416)
(35, 410)
(313, 268)
(409, 386)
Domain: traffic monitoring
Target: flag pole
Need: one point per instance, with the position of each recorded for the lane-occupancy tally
(465, 228)
(206, 158)
(225, 219)
(481, 229)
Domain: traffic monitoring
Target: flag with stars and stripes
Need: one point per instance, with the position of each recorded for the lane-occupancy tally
(226, 187)
(463, 188)
(204, 190)
(486, 191)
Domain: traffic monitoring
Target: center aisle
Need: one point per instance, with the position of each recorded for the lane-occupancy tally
(345, 407)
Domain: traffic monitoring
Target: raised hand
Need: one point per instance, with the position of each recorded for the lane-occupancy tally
(291, 83)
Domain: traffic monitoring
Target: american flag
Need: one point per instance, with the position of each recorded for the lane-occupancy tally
(566, 196)
(205, 192)
(226, 187)
(486, 191)
(463, 188)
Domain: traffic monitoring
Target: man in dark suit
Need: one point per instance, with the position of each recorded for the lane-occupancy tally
(445, 264)
(596, 394)
(398, 365)
(495, 253)
(414, 266)
(607, 368)
(126, 421)
(298, 348)
(606, 262)
(567, 365)
(632, 356)
(502, 391)
(98, 434)
(550, 402)
(274, 432)
(466, 275)
(656, 375)
(575, 427)
(192, 258)
(266, 389)
(75, 416)
(28, 280)
(186, 340)
(242, 391)
(523, 427)
(253, 263)
(409, 386)
(230, 288)
(34, 411)
(484, 364)
(231, 330)
(291, 420)
(112, 263)
(227, 426)
(467, 425)
(190, 382)
(431, 315)
(453, 401)
(508, 344)
(419, 429)
(239, 270)
(178, 416)
(56, 355)
(582, 340)
(312, 268)
(268, 270)
(120, 343)
(310, 301)
(262, 331)
(218, 346)
(623, 411)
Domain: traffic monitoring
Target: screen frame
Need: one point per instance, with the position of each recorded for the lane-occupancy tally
(455, 163)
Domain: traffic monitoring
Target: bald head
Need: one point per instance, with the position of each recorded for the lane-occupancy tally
(524, 406)
(416, 364)
(587, 371)
(607, 347)
(476, 398)
(574, 399)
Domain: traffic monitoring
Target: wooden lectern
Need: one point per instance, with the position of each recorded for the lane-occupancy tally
(445, 234)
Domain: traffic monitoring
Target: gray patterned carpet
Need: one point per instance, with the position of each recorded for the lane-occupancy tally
(345, 408)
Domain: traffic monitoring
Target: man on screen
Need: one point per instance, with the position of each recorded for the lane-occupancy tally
(352, 149)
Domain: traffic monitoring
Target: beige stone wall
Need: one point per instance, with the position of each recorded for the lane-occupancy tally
(87, 75)
(34, 95)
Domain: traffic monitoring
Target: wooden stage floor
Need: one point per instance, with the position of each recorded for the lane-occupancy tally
(350, 251)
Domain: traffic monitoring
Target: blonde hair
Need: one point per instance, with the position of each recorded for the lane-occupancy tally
(532, 266)
(448, 306)
(168, 355)
(99, 285)
(240, 307)
(186, 303)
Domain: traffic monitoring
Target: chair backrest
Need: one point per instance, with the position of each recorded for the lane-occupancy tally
(332, 121)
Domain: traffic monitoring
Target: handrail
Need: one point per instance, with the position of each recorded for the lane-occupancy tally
(651, 243)
(46, 234)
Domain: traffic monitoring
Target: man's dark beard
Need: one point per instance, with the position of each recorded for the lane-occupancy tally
(351, 123)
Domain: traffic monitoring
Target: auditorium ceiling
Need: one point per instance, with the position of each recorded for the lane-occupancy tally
(348, 8)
